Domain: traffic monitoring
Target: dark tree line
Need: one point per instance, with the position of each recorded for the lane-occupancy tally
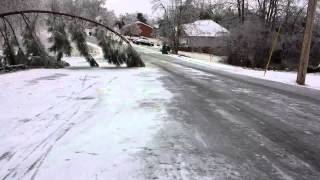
(252, 38)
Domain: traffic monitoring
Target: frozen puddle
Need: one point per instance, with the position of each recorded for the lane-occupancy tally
(78, 123)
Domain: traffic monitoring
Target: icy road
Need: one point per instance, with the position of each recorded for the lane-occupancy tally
(166, 121)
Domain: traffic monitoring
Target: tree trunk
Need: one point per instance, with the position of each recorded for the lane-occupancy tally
(270, 9)
(287, 12)
(239, 9)
(59, 57)
(242, 13)
(264, 10)
(305, 50)
(174, 45)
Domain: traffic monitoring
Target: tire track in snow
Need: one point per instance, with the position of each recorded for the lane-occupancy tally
(49, 141)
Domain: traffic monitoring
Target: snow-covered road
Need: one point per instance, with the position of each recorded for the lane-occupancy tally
(78, 123)
(235, 127)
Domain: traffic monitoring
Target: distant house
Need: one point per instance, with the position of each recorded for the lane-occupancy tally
(204, 36)
(138, 29)
(146, 29)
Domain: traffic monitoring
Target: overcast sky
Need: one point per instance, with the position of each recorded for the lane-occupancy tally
(130, 6)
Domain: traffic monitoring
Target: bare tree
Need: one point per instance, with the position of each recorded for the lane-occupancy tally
(241, 10)
(175, 14)
(305, 51)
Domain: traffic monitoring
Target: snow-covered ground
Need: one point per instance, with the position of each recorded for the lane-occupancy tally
(312, 81)
(78, 123)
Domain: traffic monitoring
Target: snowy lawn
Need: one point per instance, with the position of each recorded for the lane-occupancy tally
(312, 81)
(78, 123)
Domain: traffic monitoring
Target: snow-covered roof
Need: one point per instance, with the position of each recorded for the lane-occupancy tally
(139, 22)
(207, 28)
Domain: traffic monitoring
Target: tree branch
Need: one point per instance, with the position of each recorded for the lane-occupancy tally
(67, 15)
(13, 32)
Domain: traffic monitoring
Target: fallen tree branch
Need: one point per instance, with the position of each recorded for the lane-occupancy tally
(13, 31)
(67, 15)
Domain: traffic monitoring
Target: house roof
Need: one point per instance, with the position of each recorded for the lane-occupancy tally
(207, 28)
(139, 22)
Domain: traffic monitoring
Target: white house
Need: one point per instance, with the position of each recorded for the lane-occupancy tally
(204, 35)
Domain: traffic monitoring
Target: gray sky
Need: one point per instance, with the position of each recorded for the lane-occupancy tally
(130, 6)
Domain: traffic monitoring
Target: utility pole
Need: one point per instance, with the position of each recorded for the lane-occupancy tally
(305, 51)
